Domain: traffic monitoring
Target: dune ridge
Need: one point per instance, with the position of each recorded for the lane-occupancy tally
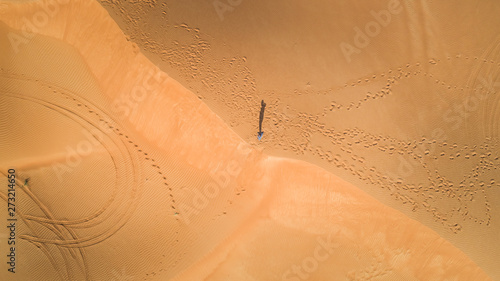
(295, 197)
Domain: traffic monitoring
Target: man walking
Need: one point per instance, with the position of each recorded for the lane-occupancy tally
(261, 118)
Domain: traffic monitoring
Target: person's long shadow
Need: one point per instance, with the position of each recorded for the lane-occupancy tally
(261, 118)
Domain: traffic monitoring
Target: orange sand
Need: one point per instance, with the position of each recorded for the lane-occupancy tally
(132, 176)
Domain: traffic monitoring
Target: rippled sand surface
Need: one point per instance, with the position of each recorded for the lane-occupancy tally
(132, 127)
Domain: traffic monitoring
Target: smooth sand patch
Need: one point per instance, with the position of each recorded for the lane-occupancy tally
(165, 188)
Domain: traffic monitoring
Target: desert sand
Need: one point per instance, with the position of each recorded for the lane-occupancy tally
(132, 127)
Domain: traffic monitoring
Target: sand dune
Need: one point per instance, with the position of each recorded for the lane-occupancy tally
(125, 174)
